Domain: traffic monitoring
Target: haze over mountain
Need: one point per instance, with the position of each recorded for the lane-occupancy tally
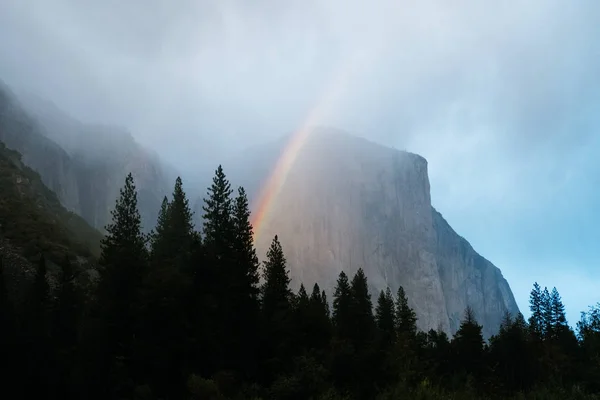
(500, 98)
(346, 204)
(84, 165)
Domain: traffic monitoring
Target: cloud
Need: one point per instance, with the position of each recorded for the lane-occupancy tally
(500, 97)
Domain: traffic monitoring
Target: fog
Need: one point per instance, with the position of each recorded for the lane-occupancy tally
(501, 97)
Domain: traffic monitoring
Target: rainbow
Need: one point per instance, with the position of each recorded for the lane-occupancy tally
(271, 189)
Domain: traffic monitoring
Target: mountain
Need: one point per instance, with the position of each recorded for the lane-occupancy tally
(83, 164)
(348, 203)
(33, 222)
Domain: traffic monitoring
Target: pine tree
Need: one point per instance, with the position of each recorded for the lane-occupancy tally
(217, 216)
(123, 262)
(362, 309)
(385, 317)
(164, 304)
(405, 354)
(181, 214)
(302, 323)
(536, 320)
(325, 303)
(559, 319)
(320, 324)
(276, 293)
(469, 346)
(242, 306)
(506, 322)
(277, 310)
(216, 273)
(342, 307)
(547, 327)
(158, 237)
(174, 235)
(406, 319)
(244, 245)
(562, 347)
(343, 351)
(124, 244)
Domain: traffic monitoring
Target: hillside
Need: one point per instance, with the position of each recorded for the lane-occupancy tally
(32, 219)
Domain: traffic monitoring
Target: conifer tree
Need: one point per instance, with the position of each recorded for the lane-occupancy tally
(559, 319)
(405, 354)
(325, 303)
(180, 214)
(174, 235)
(159, 235)
(362, 309)
(343, 351)
(123, 262)
(320, 323)
(244, 243)
(215, 277)
(506, 322)
(276, 293)
(386, 329)
(277, 309)
(468, 346)
(303, 318)
(217, 216)
(406, 318)
(536, 320)
(385, 317)
(241, 307)
(342, 307)
(547, 326)
(164, 296)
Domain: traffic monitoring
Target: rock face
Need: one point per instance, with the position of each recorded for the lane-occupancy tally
(84, 165)
(348, 203)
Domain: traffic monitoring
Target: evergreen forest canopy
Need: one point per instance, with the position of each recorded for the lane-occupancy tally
(180, 314)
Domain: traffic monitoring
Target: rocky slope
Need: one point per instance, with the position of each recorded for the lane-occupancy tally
(33, 222)
(84, 165)
(349, 203)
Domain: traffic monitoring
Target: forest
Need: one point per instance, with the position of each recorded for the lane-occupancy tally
(187, 313)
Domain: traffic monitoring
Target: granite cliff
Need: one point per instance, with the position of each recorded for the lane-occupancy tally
(85, 165)
(349, 203)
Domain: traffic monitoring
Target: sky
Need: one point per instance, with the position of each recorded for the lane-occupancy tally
(501, 97)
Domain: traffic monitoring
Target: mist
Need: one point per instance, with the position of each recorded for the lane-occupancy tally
(501, 98)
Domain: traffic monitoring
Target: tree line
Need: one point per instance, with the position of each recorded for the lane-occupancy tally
(180, 314)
